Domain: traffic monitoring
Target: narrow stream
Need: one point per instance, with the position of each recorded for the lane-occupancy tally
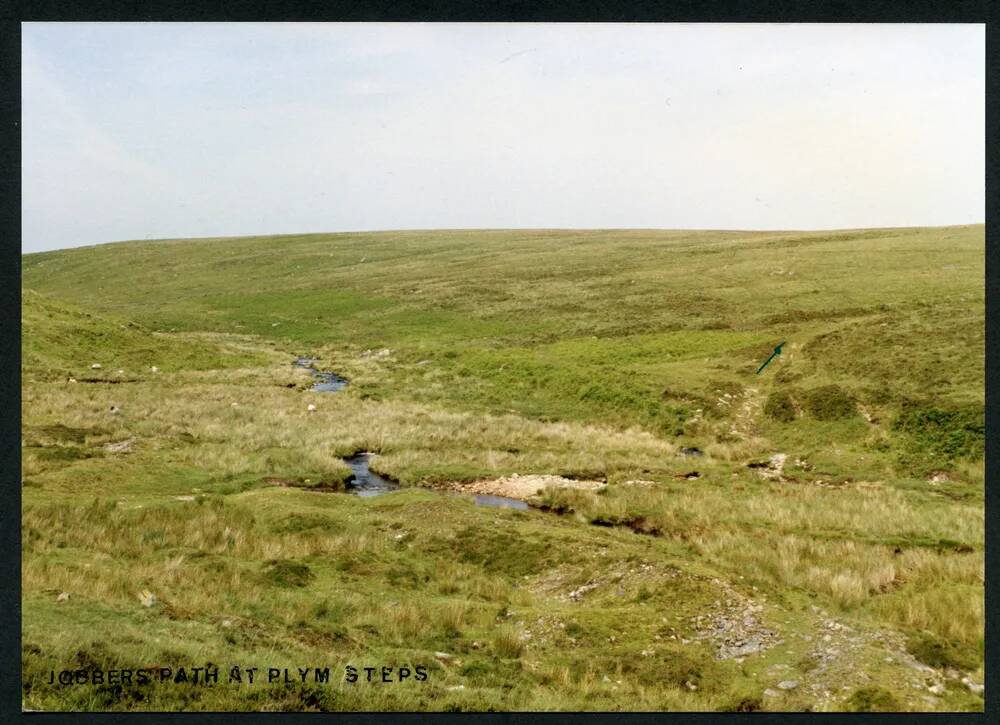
(327, 382)
(363, 482)
(366, 484)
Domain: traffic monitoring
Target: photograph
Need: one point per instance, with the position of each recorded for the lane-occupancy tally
(425, 367)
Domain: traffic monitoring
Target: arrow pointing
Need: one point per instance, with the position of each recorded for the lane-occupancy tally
(777, 351)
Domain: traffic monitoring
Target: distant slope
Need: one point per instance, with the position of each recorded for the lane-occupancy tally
(625, 327)
(59, 339)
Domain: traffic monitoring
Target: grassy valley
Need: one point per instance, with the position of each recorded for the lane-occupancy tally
(807, 538)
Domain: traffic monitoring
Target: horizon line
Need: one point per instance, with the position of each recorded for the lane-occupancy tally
(504, 229)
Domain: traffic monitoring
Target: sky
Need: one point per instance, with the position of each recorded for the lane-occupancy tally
(169, 130)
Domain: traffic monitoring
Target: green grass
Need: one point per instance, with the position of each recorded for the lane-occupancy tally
(474, 355)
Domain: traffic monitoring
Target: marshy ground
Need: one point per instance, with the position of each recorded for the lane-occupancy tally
(827, 555)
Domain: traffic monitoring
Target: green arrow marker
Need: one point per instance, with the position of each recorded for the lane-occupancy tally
(777, 351)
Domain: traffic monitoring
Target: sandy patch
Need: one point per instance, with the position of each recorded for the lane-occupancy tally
(524, 487)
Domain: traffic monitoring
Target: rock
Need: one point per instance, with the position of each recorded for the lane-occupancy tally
(63, 596)
(690, 685)
(691, 452)
(147, 598)
(311, 407)
(121, 372)
(72, 380)
(456, 688)
(154, 369)
(936, 689)
(234, 405)
(95, 366)
(184, 498)
(974, 688)
(771, 693)
(443, 655)
(227, 623)
(115, 409)
(788, 684)
(120, 447)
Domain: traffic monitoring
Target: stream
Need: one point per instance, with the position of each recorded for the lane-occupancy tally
(363, 482)
(326, 382)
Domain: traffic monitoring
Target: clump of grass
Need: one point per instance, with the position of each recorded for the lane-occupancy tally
(872, 699)
(780, 407)
(287, 573)
(830, 402)
(938, 653)
(937, 431)
(507, 642)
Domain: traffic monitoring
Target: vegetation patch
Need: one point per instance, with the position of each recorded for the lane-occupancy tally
(830, 402)
(936, 652)
(779, 406)
(288, 573)
(872, 699)
(949, 433)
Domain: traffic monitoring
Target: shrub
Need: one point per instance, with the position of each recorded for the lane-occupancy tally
(830, 402)
(779, 406)
(287, 573)
(937, 653)
(872, 699)
(955, 432)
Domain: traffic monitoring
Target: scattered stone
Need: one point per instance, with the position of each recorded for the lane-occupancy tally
(115, 409)
(72, 380)
(691, 686)
(937, 689)
(788, 684)
(63, 596)
(443, 655)
(95, 366)
(120, 447)
(234, 405)
(154, 369)
(227, 623)
(938, 477)
(311, 407)
(147, 598)
(771, 693)
(455, 688)
(184, 498)
(974, 687)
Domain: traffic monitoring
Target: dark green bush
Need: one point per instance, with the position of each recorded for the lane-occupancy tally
(830, 402)
(948, 432)
(872, 699)
(779, 406)
(938, 653)
(287, 573)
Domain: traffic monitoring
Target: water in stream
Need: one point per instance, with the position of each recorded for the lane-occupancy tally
(327, 382)
(365, 483)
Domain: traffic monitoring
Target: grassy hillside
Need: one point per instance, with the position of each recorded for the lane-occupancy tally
(477, 355)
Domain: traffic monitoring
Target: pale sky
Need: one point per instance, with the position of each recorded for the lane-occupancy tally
(166, 130)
